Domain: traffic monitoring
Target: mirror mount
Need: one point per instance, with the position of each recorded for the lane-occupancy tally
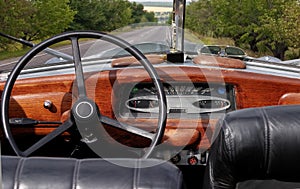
(177, 34)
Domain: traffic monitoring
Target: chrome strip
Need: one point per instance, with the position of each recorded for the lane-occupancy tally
(182, 103)
(277, 66)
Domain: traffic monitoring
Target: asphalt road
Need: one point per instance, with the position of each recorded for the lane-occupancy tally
(92, 47)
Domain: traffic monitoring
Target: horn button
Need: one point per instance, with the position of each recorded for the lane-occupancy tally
(84, 109)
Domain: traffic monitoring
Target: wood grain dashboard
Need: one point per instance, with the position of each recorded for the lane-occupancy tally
(250, 90)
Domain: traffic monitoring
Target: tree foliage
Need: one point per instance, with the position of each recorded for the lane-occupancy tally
(107, 15)
(35, 19)
(104, 15)
(13, 16)
(39, 19)
(137, 12)
(149, 17)
(50, 17)
(198, 17)
(271, 25)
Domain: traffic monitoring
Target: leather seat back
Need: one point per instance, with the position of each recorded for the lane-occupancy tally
(63, 173)
(256, 144)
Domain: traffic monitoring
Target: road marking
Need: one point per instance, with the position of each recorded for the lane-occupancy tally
(9, 63)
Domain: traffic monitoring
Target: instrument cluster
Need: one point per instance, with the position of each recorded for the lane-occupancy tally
(182, 98)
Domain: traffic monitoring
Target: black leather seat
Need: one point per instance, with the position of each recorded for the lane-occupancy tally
(256, 148)
(63, 173)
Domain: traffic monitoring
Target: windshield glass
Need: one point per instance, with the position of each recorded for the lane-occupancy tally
(155, 27)
(149, 38)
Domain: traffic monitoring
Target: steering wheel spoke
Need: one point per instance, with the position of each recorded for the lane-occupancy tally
(126, 127)
(46, 139)
(78, 67)
(56, 132)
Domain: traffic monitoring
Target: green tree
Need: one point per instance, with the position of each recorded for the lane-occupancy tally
(89, 15)
(271, 25)
(280, 27)
(118, 14)
(198, 17)
(238, 20)
(35, 19)
(149, 17)
(104, 15)
(13, 17)
(49, 18)
(140, 15)
(137, 12)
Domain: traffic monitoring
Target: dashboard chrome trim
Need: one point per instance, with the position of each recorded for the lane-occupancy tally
(191, 104)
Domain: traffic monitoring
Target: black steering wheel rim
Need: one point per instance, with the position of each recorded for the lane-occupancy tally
(162, 116)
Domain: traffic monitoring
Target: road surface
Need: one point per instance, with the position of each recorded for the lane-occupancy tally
(88, 48)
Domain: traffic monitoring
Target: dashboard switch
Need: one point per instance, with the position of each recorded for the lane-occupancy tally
(203, 158)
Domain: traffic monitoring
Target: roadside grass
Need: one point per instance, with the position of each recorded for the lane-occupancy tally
(12, 54)
(19, 50)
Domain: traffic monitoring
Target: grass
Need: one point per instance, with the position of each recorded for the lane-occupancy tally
(12, 54)
(20, 51)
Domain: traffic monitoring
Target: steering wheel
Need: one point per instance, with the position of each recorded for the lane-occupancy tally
(85, 113)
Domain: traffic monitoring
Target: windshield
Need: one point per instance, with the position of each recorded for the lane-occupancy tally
(155, 27)
(149, 38)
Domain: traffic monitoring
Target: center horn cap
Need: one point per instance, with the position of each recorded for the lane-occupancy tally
(84, 109)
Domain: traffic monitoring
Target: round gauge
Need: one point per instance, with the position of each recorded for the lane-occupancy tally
(211, 104)
(142, 103)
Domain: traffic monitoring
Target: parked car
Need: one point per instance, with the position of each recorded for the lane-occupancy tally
(224, 51)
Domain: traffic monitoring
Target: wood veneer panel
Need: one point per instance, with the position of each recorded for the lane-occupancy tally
(251, 90)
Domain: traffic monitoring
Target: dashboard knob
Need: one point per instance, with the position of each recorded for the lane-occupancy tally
(48, 104)
(176, 159)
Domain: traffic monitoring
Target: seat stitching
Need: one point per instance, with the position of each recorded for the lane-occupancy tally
(267, 144)
(76, 174)
(136, 173)
(18, 172)
(227, 136)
